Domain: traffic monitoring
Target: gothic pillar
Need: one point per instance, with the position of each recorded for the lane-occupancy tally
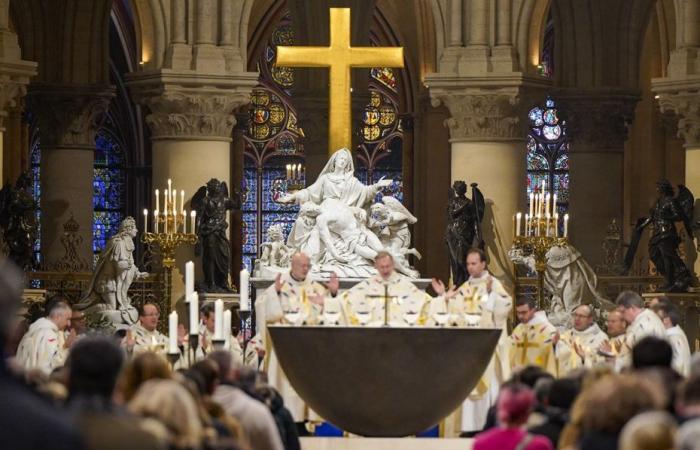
(68, 119)
(488, 148)
(191, 120)
(597, 125)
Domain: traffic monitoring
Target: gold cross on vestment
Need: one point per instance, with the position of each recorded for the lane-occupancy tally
(387, 298)
(339, 56)
(524, 346)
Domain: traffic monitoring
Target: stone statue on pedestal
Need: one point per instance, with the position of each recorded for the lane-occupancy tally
(463, 228)
(664, 241)
(211, 203)
(107, 301)
(275, 252)
(18, 221)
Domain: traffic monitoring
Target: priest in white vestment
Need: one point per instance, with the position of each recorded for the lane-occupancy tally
(206, 336)
(144, 336)
(293, 299)
(481, 301)
(642, 322)
(534, 340)
(671, 317)
(365, 303)
(45, 346)
(578, 347)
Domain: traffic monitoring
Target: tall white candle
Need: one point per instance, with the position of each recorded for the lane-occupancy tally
(546, 203)
(155, 220)
(157, 200)
(554, 204)
(527, 224)
(194, 314)
(170, 189)
(167, 195)
(517, 223)
(182, 201)
(165, 221)
(532, 203)
(227, 329)
(244, 304)
(556, 224)
(172, 333)
(189, 280)
(145, 221)
(193, 222)
(218, 319)
(184, 221)
(566, 225)
(289, 171)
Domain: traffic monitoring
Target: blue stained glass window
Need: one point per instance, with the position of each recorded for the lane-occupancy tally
(108, 190)
(35, 157)
(548, 153)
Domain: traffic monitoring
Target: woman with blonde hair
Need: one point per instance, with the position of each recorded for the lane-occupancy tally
(145, 366)
(168, 402)
(654, 430)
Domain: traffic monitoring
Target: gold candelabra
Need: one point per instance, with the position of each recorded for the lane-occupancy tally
(170, 231)
(295, 180)
(540, 233)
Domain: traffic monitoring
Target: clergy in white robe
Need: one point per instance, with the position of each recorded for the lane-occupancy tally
(45, 346)
(642, 323)
(206, 336)
(534, 340)
(481, 301)
(297, 300)
(578, 347)
(365, 303)
(144, 336)
(671, 317)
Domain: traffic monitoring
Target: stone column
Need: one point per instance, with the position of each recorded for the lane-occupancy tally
(683, 99)
(67, 121)
(488, 148)
(597, 125)
(191, 120)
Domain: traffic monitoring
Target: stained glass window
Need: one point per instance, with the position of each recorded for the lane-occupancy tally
(548, 153)
(35, 160)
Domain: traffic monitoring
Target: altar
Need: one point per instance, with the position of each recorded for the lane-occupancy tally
(260, 284)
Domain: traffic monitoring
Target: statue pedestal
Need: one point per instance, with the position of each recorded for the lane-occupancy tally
(231, 300)
(689, 305)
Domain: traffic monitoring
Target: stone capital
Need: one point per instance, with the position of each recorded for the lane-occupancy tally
(68, 115)
(187, 106)
(14, 78)
(682, 100)
(598, 119)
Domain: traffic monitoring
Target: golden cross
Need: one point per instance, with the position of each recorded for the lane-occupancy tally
(525, 345)
(339, 56)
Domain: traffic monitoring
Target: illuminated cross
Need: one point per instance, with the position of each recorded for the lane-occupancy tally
(339, 56)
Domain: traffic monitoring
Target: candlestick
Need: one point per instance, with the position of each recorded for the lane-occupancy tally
(145, 221)
(546, 204)
(227, 329)
(244, 304)
(165, 220)
(165, 210)
(184, 221)
(527, 224)
(157, 201)
(194, 314)
(172, 333)
(556, 224)
(517, 224)
(155, 221)
(189, 280)
(566, 225)
(554, 204)
(182, 201)
(170, 188)
(218, 319)
(193, 217)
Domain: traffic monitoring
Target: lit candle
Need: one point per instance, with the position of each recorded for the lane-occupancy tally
(170, 189)
(546, 203)
(155, 221)
(244, 305)
(145, 220)
(547, 223)
(218, 319)
(566, 225)
(189, 280)
(182, 201)
(166, 195)
(289, 171)
(227, 329)
(532, 202)
(172, 333)
(527, 224)
(517, 224)
(298, 171)
(157, 201)
(184, 221)
(554, 204)
(556, 224)
(193, 216)
(194, 314)
(165, 221)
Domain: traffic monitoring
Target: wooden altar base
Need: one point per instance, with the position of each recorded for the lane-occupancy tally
(689, 305)
(359, 443)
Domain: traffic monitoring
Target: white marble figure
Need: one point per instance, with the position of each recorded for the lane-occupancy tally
(274, 251)
(570, 280)
(107, 296)
(333, 225)
(389, 219)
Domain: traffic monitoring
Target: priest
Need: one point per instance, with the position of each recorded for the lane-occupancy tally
(578, 347)
(45, 346)
(144, 336)
(534, 340)
(671, 317)
(294, 298)
(206, 335)
(365, 303)
(481, 301)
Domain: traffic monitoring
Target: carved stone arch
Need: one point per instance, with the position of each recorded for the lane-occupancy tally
(151, 31)
(529, 32)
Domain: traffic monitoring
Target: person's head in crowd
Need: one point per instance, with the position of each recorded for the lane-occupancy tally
(630, 305)
(208, 316)
(651, 351)
(11, 288)
(615, 323)
(143, 367)
(247, 378)
(542, 389)
(172, 405)
(227, 367)
(583, 317)
(667, 380)
(300, 266)
(661, 300)
(653, 430)
(94, 366)
(688, 436)
(209, 371)
(563, 393)
(514, 405)
(688, 397)
(476, 262)
(525, 309)
(669, 314)
(529, 375)
(384, 263)
(149, 315)
(59, 313)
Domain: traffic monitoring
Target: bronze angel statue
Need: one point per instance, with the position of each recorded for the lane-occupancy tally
(664, 241)
(463, 231)
(211, 203)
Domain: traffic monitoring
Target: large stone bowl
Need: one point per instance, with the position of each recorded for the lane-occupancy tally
(383, 382)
